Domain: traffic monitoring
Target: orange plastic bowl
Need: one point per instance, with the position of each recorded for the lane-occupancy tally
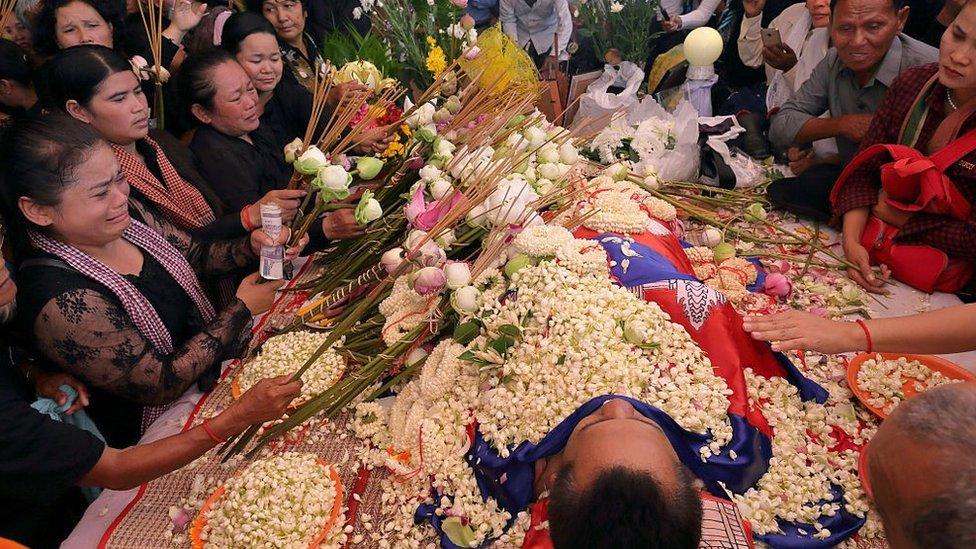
(200, 521)
(939, 364)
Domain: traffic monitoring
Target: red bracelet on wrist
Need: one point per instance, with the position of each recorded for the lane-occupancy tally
(867, 334)
(210, 433)
(246, 218)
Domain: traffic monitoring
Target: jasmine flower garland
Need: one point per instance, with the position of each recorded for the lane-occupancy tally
(286, 353)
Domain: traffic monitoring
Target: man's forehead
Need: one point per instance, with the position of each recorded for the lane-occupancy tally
(863, 8)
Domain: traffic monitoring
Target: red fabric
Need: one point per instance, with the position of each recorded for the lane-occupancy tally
(924, 267)
(537, 537)
(181, 202)
(722, 338)
(956, 237)
(913, 181)
(729, 348)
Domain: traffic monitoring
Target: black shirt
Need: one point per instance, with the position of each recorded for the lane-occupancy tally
(228, 222)
(239, 172)
(242, 173)
(41, 460)
(118, 419)
(287, 113)
(328, 16)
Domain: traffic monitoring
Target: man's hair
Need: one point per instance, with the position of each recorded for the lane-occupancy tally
(945, 420)
(624, 509)
(895, 5)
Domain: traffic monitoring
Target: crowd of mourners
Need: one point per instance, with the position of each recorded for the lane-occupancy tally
(130, 251)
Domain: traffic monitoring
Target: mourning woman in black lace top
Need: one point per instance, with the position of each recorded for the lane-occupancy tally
(113, 299)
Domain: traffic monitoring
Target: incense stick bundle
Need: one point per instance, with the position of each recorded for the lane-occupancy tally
(152, 22)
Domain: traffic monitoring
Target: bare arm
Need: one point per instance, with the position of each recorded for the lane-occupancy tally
(128, 468)
(949, 330)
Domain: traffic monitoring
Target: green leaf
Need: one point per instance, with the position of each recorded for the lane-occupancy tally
(469, 356)
(459, 533)
(510, 330)
(465, 332)
(501, 345)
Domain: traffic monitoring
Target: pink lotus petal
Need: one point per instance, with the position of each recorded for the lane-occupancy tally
(416, 206)
(426, 220)
(777, 284)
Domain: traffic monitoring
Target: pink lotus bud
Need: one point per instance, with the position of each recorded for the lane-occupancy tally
(391, 259)
(431, 255)
(460, 3)
(467, 22)
(429, 281)
(777, 285)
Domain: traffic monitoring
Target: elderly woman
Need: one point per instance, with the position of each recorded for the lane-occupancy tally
(286, 104)
(116, 301)
(96, 85)
(234, 151)
(927, 108)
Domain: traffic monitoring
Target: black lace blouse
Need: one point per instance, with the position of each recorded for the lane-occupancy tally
(80, 326)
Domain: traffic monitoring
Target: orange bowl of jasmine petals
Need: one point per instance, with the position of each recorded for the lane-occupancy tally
(934, 363)
(200, 521)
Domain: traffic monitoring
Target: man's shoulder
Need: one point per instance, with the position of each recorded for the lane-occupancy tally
(788, 17)
(915, 52)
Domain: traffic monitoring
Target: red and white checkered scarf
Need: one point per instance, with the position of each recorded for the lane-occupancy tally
(139, 309)
(181, 202)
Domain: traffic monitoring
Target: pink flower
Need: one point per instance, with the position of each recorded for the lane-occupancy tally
(472, 53)
(416, 206)
(436, 210)
(777, 285)
(460, 3)
(819, 311)
(429, 281)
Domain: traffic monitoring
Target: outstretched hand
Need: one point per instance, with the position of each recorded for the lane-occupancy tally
(797, 330)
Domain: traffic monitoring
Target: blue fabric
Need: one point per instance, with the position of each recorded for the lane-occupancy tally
(510, 480)
(480, 10)
(79, 419)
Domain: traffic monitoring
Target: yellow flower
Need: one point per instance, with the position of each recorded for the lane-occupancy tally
(436, 61)
(405, 130)
(394, 148)
(431, 42)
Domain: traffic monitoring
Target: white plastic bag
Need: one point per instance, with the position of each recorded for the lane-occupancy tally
(747, 172)
(679, 163)
(597, 105)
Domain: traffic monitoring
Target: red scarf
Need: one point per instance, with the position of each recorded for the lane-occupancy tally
(181, 202)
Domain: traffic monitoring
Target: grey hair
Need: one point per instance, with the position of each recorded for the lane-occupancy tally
(24, 8)
(946, 419)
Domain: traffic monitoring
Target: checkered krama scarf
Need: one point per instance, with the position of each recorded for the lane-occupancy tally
(137, 307)
(181, 202)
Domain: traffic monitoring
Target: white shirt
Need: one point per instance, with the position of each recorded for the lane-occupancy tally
(694, 18)
(750, 42)
(538, 23)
